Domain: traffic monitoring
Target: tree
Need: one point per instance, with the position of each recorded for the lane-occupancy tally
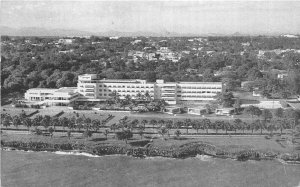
(69, 134)
(237, 123)
(16, 121)
(79, 123)
(227, 126)
(144, 122)
(51, 130)
(253, 111)
(87, 123)
(46, 122)
(123, 122)
(153, 122)
(162, 131)
(141, 130)
(124, 135)
(197, 125)
(106, 132)
(87, 133)
(6, 121)
(244, 126)
(225, 99)
(279, 112)
(267, 116)
(177, 133)
(217, 125)
(64, 122)
(187, 123)
(206, 124)
(27, 122)
(161, 122)
(169, 125)
(134, 124)
(54, 122)
(237, 105)
(96, 123)
(114, 127)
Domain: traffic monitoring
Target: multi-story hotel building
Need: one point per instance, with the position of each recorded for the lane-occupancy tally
(93, 89)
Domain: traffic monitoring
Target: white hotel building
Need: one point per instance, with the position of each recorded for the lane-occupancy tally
(93, 89)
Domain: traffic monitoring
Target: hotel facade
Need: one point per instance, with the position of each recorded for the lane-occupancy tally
(91, 88)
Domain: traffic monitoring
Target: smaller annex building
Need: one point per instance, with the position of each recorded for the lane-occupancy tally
(197, 111)
(48, 96)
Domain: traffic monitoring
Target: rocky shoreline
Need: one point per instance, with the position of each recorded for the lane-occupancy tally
(184, 151)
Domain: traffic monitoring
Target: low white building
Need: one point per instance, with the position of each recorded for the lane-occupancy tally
(48, 96)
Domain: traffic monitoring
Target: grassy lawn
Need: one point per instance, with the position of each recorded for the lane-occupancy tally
(233, 143)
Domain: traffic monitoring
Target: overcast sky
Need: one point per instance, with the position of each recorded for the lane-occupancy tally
(198, 17)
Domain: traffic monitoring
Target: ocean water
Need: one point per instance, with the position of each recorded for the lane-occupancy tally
(19, 168)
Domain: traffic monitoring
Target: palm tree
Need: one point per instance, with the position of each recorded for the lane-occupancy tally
(162, 131)
(123, 122)
(187, 123)
(161, 122)
(72, 123)
(6, 121)
(96, 123)
(45, 123)
(217, 125)
(27, 122)
(64, 122)
(16, 121)
(87, 123)
(133, 124)
(206, 124)
(139, 96)
(177, 124)
(141, 130)
(144, 122)
(106, 132)
(114, 126)
(267, 116)
(153, 122)
(196, 124)
(169, 125)
(78, 123)
(237, 124)
(54, 122)
(244, 126)
(226, 126)
(148, 96)
(51, 130)
(253, 111)
(177, 133)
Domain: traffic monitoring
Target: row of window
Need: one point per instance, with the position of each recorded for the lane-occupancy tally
(123, 86)
(195, 96)
(202, 87)
(199, 92)
(106, 90)
(104, 94)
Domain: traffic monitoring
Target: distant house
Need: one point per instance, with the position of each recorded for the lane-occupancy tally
(197, 111)
(65, 41)
(172, 110)
(224, 111)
